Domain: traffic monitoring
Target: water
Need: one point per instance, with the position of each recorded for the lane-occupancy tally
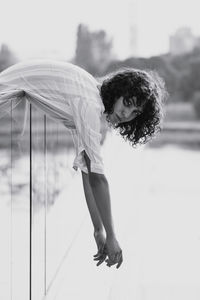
(155, 204)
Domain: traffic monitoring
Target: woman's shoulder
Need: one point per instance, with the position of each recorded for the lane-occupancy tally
(49, 63)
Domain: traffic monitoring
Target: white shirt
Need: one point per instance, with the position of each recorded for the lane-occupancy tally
(65, 93)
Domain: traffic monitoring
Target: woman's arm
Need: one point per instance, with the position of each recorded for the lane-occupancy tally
(91, 204)
(96, 220)
(100, 190)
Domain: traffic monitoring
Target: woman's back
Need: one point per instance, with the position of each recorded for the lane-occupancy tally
(52, 86)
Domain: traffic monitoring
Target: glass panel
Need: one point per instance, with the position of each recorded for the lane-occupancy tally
(64, 210)
(38, 204)
(20, 204)
(53, 205)
(5, 207)
(55, 214)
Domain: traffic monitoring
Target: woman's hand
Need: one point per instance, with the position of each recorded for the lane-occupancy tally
(114, 252)
(101, 246)
(109, 248)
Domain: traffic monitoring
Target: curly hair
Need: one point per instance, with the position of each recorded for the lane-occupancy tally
(149, 90)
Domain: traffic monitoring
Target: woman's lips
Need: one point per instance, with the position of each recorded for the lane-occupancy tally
(118, 118)
(115, 119)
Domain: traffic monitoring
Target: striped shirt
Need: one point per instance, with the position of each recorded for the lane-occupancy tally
(65, 93)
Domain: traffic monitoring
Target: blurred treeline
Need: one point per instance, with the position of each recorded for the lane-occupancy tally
(94, 52)
(7, 57)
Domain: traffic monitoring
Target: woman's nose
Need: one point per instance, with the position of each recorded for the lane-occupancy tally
(126, 113)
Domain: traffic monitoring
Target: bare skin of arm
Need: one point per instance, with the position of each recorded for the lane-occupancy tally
(93, 210)
(100, 210)
(96, 220)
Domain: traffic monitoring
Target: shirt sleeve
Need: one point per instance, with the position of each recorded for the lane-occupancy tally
(87, 135)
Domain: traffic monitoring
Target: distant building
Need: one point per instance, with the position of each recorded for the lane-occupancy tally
(133, 27)
(198, 43)
(182, 41)
(133, 40)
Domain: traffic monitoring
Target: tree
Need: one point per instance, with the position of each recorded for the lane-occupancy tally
(196, 103)
(159, 63)
(83, 47)
(189, 82)
(7, 58)
(93, 50)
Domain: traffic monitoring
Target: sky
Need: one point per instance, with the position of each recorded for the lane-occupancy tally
(37, 28)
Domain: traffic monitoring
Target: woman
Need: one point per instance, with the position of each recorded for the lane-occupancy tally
(131, 101)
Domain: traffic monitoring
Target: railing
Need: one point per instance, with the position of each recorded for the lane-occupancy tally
(37, 204)
(185, 134)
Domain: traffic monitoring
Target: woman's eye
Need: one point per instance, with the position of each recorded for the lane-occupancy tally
(137, 113)
(128, 102)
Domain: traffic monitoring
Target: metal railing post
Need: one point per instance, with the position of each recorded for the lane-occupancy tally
(30, 274)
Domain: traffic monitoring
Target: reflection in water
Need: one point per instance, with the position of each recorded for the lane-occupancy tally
(59, 175)
(160, 205)
(50, 175)
(161, 185)
(5, 175)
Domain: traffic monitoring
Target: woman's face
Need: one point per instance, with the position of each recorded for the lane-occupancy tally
(124, 111)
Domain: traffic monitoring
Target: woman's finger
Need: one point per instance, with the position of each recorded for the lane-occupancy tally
(100, 256)
(101, 260)
(101, 250)
(120, 261)
(99, 253)
(115, 259)
(112, 257)
(110, 262)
